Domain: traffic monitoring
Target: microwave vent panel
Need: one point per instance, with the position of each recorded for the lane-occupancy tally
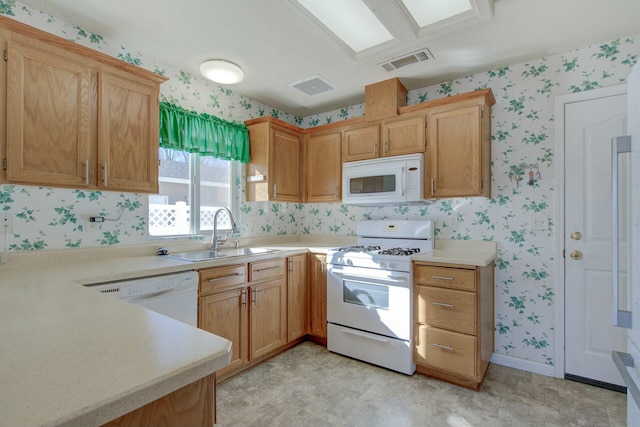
(411, 58)
(312, 85)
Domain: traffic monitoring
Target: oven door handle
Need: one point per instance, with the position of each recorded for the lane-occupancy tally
(368, 279)
(362, 335)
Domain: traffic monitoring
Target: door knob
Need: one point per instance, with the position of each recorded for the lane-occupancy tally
(576, 235)
(576, 255)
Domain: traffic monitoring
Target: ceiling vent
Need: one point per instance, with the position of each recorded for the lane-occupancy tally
(312, 85)
(411, 58)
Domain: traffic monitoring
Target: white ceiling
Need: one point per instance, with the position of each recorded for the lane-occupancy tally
(276, 43)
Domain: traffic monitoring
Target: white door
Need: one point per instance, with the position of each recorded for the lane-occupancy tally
(589, 334)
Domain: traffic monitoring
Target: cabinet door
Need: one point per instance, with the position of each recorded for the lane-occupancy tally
(405, 136)
(318, 296)
(297, 298)
(268, 317)
(455, 140)
(49, 111)
(284, 165)
(324, 168)
(127, 134)
(225, 314)
(361, 143)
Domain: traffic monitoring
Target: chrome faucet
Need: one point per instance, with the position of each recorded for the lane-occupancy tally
(214, 237)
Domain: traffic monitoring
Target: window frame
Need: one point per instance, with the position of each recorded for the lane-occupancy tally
(195, 187)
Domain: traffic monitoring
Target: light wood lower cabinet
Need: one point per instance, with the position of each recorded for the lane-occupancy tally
(318, 297)
(225, 314)
(246, 304)
(192, 405)
(454, 321)
(268, 317)
(297, 297)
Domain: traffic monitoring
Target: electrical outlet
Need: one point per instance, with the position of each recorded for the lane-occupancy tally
(6, 223)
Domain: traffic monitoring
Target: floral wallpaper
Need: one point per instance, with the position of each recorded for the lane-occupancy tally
(519, 216)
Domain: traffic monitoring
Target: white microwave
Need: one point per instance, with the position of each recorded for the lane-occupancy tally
(386, 180)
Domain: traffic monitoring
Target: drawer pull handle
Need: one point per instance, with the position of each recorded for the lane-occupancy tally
(215, 279)
(442, 304)
(441, 278)
(443, 347)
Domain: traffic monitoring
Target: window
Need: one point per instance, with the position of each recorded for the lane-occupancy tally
(192, 189)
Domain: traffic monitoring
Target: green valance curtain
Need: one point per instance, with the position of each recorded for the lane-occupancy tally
(203, 134)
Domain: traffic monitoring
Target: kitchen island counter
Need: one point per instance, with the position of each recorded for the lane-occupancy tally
(72, 356)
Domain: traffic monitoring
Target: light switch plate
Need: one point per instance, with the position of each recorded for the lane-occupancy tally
(6, 223)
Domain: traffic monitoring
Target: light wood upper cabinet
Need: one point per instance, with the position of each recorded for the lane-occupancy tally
(50, 132)
(459, 147)
(323, 167)
(394, 137)
(128, 133)
(403, 136)
(76, 117)
(361, 142)
(297, 297)
(275, 171)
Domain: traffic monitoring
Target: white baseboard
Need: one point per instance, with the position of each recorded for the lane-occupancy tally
(522, 364)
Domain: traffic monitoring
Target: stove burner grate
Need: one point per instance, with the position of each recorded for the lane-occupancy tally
(400, 251)
(359, 248)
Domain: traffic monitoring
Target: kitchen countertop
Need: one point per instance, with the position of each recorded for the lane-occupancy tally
(73, 356)
(463, 252)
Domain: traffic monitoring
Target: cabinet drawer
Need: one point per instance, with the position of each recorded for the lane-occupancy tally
(448, 351)
(444, 277)
(266, 270)
(447, 309)
(214, 279)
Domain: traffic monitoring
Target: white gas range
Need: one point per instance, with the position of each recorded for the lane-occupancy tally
(370, 295)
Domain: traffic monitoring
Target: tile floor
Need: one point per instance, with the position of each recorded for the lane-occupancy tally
(309, 386)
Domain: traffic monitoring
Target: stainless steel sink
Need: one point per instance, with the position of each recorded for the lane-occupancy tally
(196, 256)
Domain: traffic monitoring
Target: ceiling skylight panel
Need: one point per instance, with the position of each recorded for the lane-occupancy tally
(427, 12)
(351, 21)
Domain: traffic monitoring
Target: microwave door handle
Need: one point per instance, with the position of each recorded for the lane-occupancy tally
(404, 181)
(619, 145)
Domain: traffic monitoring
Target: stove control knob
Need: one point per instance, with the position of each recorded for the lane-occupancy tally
(349, 262)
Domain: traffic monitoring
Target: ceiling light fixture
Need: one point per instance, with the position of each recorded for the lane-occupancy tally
(221, 71)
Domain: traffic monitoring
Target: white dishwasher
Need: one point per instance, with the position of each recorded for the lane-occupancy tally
(174, 295)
